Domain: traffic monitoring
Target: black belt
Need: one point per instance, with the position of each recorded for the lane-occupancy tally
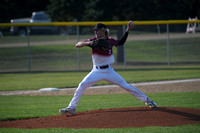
(102, 67)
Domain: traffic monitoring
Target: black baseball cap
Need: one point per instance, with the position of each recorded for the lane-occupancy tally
(99, 26)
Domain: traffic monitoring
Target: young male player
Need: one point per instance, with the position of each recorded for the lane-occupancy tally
(102, 69)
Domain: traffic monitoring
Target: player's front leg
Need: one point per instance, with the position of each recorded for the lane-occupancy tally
(115, 78)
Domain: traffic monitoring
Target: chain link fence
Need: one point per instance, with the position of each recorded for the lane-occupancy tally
(147, 45)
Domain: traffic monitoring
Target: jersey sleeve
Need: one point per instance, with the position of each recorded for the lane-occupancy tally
(123, 39)
(91, 39)
(113, 42)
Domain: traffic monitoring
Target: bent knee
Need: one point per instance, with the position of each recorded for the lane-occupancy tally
(84, 85)
(123, 84)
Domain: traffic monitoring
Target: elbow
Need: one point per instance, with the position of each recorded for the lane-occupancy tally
(121, 43)
(76, 46)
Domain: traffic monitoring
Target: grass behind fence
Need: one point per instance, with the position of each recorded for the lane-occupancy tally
(64, 57)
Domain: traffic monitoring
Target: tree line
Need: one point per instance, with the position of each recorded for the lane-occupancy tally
(101, 10)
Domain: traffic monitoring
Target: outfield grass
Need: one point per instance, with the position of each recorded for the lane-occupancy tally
(29, 81)
(64, 56)
(181, 50)
(39, 38)
(20, 107)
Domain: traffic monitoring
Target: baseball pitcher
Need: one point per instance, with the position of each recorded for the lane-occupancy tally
(103, 58)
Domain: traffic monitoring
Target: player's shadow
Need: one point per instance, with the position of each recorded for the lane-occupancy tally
(129, 110)
(190, 116)
(115, 110)
(163, 109)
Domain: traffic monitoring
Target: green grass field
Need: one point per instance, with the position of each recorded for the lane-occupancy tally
(20, 107)
(29, 81)
(41, 106)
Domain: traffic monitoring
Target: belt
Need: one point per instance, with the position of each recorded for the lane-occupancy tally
(102, 67)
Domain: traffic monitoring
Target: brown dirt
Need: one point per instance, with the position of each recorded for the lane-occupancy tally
(113, 118)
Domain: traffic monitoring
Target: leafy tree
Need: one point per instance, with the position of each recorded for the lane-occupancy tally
(20, 8)
(140, 9)
(66, 10)
(107, 10)
(100, 10)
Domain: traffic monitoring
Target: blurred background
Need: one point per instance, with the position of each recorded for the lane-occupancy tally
(51, 48)
(101, 10)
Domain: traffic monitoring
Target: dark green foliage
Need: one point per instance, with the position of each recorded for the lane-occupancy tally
(101, 10)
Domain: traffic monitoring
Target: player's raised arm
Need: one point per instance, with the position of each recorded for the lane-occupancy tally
(124, 37)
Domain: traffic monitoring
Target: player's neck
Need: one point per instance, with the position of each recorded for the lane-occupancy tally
(102, 37)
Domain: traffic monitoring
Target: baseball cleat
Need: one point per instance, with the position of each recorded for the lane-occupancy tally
(151, 103)
(67, 111)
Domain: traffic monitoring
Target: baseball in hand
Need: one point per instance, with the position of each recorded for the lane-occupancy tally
(130, 23)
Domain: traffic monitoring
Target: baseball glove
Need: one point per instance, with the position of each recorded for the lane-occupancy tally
(101, 44)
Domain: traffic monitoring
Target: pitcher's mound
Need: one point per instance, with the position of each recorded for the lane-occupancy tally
(113, 118)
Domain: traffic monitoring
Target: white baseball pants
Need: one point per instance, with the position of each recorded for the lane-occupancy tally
(104, 74)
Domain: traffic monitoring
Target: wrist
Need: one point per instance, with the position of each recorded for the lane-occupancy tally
(128, 29)
(90, 43)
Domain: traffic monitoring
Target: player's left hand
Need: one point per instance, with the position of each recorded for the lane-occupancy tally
(101, 44)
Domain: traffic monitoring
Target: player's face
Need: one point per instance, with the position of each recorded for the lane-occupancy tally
(100, 33)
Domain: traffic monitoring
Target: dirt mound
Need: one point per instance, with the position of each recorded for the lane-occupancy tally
(113, 118)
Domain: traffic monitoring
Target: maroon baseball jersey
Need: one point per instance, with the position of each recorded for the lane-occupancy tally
(103, 57)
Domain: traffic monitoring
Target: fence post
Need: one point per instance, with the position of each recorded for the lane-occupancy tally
(158, 28)
(168, 50)
(124, 47)
(78, 50)
(28, 49)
